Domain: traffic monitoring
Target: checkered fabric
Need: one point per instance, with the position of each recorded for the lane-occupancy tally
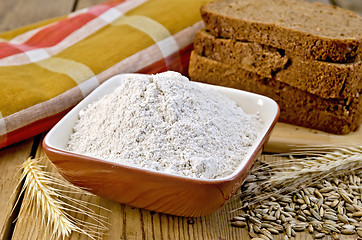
(48, 67)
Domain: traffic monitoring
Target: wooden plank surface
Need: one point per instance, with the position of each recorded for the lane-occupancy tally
(86, 3)
(354, 5)
(126, 222)
(10, 160)
(16, 13)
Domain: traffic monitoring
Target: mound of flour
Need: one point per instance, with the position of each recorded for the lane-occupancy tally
(166, 123)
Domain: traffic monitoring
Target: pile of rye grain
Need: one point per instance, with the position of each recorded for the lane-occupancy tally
(320, 194)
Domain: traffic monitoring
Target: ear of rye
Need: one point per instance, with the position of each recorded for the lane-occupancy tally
(44, 200)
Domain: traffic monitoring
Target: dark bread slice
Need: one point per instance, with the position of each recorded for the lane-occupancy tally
(327, 80)
(312, 30)
(254, 57)
(297, 107)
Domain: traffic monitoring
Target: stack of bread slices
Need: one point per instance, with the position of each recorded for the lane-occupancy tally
(305, 56)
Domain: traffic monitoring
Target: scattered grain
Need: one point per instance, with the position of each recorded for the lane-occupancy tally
(347, 231)
(319, 235)
(239, 224)
(330, 205)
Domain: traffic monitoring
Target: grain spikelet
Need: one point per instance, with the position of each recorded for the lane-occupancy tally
(304, 167)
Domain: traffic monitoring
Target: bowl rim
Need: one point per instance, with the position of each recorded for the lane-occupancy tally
(235, 174)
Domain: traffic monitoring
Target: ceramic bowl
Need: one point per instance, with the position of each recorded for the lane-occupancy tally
(142, 188)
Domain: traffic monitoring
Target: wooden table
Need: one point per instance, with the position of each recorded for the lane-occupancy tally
(124, 221)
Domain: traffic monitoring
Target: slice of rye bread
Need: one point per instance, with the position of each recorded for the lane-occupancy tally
(296, 106)
(312, 30)
(327, 80)
(254, 57)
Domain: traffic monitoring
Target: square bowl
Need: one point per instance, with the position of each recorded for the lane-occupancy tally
(142, 188)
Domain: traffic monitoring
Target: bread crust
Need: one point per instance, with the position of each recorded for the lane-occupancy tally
(310, 30)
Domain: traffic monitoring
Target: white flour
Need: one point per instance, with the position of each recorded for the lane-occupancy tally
(168, 124)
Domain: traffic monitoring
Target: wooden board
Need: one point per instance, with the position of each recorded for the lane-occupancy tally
(125, 222)
(10, 159)
(286, 137)
(86, 3)
(16, 13)
(354, 5)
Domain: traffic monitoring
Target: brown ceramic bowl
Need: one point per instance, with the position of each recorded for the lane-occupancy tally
(142, 188)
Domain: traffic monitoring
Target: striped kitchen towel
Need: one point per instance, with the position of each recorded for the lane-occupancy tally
(48, 67)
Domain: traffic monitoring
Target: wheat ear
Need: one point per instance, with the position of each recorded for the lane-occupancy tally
(46, 202)
(312, 165)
